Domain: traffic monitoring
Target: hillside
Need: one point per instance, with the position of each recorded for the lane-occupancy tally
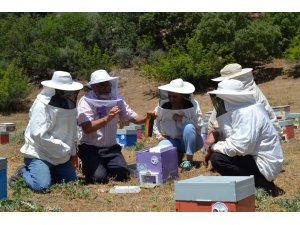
(141, 94)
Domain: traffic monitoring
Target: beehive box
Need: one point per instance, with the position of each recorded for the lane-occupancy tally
(7, 127)
(137, 128)
(281, 111)
(126, 138)
(4, 137)
(215, 194)
(157, 167)
(3, 178)
(288, 129)
(295, 117)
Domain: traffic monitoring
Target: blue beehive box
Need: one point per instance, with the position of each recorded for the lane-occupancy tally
(126, 137)
(3, 178)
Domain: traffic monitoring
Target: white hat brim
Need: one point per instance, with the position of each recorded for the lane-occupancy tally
(187, 89)
(101, 80)
(242, 72)
(231, 92)
(74, 86)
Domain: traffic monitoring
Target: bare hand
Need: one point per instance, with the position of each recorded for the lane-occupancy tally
(113, 112)
(207, 156)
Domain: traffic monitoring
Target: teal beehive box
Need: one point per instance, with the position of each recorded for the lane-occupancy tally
(3, 178)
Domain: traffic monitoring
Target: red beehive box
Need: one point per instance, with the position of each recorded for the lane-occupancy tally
(4, 137)
(288, 129)
(215, 194)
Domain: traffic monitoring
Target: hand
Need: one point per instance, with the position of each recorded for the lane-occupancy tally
(152, 114)
(207, 156)
(177, 117)
(162, 137)
(74, 161)
(113, 112)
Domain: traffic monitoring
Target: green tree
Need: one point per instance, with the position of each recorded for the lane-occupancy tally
(258, 42)
(14, 86)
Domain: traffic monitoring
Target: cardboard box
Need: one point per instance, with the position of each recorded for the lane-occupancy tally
(157, 167)
(215, 194)
(126, 138)
(288, 129)
(3, 178)
(4, 137)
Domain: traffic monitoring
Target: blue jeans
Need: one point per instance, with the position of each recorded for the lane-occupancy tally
(190, 142)
(40, 174)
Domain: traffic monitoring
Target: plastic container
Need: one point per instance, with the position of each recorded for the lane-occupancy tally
(125, 189)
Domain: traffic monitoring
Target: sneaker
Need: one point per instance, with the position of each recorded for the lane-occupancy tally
(186, 166)
(13, 179)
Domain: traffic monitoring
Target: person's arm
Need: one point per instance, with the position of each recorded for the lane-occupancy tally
(94, 125)
(245, 132)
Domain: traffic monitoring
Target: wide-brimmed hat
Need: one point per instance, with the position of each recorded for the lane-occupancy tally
(231, 71)
(100, 76)
(178, 86)
(231, 87)
(63, 81)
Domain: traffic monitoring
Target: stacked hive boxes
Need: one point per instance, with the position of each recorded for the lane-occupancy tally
(286, 124)
(5, 128)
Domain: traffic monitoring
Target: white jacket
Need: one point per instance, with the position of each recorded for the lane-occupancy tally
(51, 133)
(165, 125)
(249, 131)
(249, 83)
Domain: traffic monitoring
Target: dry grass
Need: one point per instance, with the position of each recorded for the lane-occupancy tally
(141, 95)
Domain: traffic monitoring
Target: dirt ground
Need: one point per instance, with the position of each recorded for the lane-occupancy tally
(141, 94)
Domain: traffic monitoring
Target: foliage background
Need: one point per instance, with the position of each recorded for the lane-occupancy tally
(164, 46)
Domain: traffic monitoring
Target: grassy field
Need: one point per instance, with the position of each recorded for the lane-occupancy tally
(141, 94)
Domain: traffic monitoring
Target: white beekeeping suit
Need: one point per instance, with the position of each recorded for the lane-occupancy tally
(247, 129)
(51, 133)
(235, 71)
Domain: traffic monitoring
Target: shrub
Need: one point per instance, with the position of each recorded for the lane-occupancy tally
(14, 86)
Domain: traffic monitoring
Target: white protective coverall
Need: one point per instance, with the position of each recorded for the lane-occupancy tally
(248, 81)
(51, 133)
(249, 131)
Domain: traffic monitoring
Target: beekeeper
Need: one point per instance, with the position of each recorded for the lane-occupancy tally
(251, 145)
(99, 112)
(235, 71)
(51, 135)
(179, 120)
